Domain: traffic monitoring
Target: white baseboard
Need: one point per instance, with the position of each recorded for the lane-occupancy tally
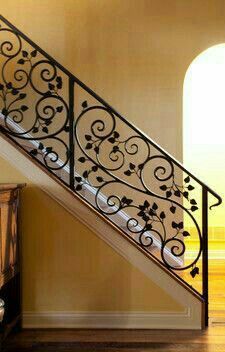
(108, 320)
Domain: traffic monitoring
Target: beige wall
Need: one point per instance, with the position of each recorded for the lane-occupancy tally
(134, 53)
(67, 267)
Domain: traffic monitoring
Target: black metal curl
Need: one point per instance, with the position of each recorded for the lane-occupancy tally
(16, 115)
(161, 169)
(47, 74)
(6, 50)
(6, 47)
(22, 77)
(146, 240)
(132, 224)
(112, 201)
(53, 156)
(128, 155)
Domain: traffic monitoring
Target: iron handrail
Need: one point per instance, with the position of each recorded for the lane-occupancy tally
(102, 101)
(149, 213)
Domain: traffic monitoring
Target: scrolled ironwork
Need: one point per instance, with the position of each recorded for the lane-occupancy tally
(126, 176)
(133, 175)
(44, 121)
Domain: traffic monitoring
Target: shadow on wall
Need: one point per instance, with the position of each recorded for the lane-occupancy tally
(66, 267)
(63, 260)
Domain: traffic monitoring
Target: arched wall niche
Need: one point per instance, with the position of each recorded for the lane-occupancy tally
(204, 127)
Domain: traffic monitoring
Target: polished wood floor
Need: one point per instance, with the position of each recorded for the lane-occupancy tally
(210, 340)
(217, 291)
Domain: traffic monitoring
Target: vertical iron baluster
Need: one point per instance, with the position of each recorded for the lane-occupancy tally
(71, 131)
(205, 291)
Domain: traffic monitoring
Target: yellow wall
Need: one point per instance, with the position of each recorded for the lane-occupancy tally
(66, 267)
(135, 54)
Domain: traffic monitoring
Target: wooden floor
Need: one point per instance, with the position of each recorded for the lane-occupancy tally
(210, 340)
(217, 291)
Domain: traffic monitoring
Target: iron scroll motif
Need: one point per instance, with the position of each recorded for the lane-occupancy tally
(150, 221)
(96, 149)
(25, 74)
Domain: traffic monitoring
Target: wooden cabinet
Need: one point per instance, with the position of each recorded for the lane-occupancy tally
(9, 256)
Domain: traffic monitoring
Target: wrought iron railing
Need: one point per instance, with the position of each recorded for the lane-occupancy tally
(104, 159)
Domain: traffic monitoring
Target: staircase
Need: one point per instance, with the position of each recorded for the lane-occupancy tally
(99, 158)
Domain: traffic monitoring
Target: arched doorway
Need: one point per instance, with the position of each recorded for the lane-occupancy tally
(204, 152)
